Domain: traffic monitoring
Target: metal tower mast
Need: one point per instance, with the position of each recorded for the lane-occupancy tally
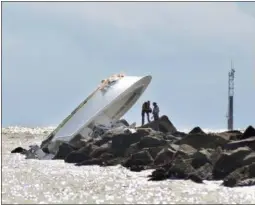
(231, 76)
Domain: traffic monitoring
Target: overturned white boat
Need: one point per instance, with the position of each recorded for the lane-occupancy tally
(106, 105)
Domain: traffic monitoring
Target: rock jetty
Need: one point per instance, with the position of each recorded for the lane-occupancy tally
(197, 156)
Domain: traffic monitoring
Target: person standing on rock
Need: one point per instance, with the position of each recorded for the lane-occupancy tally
(146, 109)
(155, 111)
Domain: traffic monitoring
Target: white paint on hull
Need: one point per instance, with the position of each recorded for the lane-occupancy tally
(104, 106)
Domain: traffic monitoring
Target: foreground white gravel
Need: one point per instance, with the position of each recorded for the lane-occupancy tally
(33, 181)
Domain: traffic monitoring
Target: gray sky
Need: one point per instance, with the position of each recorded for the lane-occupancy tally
(55, 54)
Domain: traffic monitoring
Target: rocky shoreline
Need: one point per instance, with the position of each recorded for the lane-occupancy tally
(198, 156)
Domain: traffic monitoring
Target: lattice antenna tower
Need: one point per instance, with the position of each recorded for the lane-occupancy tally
(231, 78)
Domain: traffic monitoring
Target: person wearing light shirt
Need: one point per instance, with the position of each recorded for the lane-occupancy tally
(155, 111)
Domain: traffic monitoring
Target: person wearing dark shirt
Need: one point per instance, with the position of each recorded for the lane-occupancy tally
(146, 109)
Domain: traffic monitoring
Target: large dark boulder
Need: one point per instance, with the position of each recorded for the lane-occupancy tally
(232, 134)
(249, 142)
(200, 158)
(199, 141)
(81, 154)
(121, 142)
(249, 132)
(154, 150)
(105, 138)
(185, 151)
(240, 176)
(159, 174)
(63, 150)
(137, 168)
(106, 156)
(175, 147)
(140, 158)
(205, 172)
(144, 156)
(246, 182)
(215, 155)
(136, 147)
(196, 130)
(195, 178)
(97, 152)
(88, 149)
(248, 159)
(163, 124)
(231, 160)
(76, 157)
(152, 141)
(78, 141)
(181, 168)
(164, 156)
(132, 149)
(19, 150)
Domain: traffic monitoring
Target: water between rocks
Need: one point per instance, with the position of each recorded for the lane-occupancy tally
(34, 181)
